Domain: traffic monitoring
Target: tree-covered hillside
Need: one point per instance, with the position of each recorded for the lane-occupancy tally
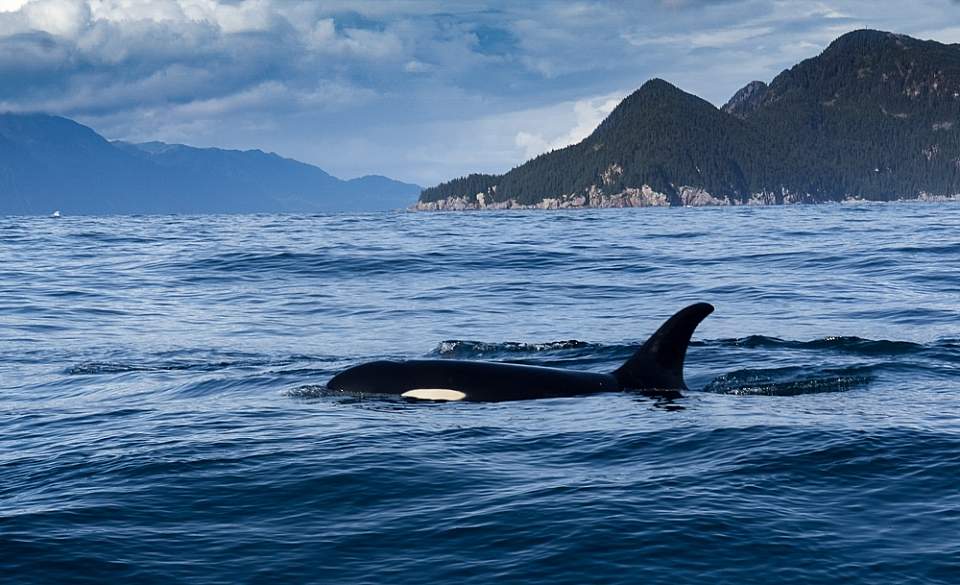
(876, 116)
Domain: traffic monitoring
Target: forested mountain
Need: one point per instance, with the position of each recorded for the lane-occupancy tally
(875, 116)
(51, 163)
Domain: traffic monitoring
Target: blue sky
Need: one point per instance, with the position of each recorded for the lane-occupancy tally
(419, 90)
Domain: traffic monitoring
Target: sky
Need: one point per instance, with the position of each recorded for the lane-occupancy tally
(418, 90)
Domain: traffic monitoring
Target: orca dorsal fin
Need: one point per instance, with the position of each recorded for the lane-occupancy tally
(659, 362)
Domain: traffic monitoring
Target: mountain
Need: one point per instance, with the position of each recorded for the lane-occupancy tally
(875, 116)
(746, 99)
(51, 163)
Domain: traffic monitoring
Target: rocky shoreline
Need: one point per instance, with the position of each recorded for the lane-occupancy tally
(645, 196)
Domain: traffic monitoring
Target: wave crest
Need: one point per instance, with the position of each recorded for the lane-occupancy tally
(458, 347)
(847, 344)
(789, 381)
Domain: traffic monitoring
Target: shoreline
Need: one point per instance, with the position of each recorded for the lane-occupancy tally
(647, 197)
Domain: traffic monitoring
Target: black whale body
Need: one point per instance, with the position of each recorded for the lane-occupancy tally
(657, 367)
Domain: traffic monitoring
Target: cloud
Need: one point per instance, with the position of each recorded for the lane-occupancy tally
(715, 38)
(943, 34)
(73, 46)
(585, 115)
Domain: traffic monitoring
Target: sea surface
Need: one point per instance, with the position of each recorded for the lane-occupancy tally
(163, 417)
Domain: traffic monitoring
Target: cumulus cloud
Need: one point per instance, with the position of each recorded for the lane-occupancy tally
(83, 56)
(585, 115)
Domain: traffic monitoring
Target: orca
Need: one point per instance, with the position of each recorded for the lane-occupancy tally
(655, 369)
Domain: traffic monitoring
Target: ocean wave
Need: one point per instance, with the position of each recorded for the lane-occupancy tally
(790, 381)
(342, 262)
(211, 363)
(845, 344)
(97, 368)
(467, 348)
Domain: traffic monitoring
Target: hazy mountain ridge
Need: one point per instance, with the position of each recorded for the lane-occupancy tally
(875, 116)
(52, 163)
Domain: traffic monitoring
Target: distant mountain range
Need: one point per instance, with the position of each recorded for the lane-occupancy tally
(51, 163)
(875, 116)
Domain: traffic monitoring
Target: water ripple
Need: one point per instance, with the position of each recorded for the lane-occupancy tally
(165, 418)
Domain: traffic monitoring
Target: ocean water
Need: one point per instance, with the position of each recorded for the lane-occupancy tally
(163, 419)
